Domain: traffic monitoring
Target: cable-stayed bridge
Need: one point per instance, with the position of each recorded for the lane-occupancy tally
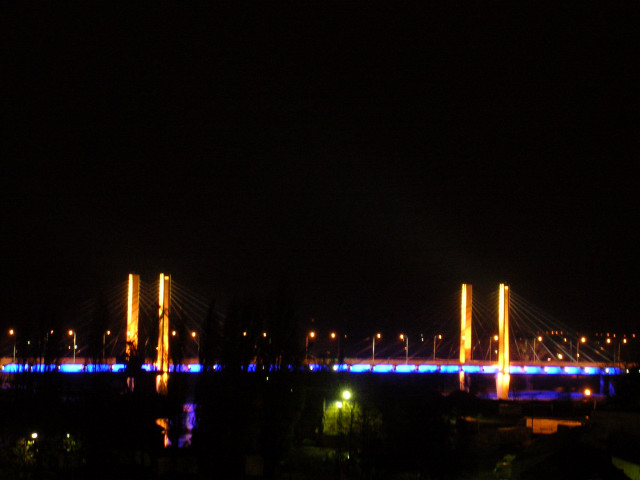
(163, 327)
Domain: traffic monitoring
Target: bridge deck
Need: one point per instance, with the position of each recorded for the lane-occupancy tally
(353, 365)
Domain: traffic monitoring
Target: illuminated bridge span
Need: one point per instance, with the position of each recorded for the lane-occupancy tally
(522, 345)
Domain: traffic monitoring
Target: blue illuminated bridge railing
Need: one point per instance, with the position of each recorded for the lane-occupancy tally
(364, 367)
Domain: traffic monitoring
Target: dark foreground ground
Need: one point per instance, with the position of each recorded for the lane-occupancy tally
(290, 426)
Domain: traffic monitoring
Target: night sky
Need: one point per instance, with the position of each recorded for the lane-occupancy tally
(375, 154)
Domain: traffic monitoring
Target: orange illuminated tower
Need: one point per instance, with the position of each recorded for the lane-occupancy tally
(465, 329)
(164, 304)
(502, 378)
(133, 310)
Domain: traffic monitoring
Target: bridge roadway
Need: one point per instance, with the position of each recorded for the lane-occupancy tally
(352, 365)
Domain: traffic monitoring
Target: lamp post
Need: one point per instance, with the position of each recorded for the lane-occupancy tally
(495, 339)
(620, 342)
(104, 338)
(373, 346)
(535, 354)
(194, 335)
(311, 335)
(406, 347)
(582, 340)
(333, 336)
(342, 404)
(435, 338)
(12, 333)
(72, 333)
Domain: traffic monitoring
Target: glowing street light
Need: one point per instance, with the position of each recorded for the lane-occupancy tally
(72, 333)
(582, 340)
(495, 339)
(194, 335)
(435, 338)
(311, 335)
(406, 347)
(535, 354)
(333, 336)
(12, 333)
(345, 397)
(620, 342)
(104, 338)
(373, 346)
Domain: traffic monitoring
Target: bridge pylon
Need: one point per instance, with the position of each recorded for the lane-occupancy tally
(465, 330)
(133, 315)
(503, 377)
(164, 308)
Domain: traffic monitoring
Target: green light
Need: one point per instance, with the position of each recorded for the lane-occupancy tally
(346, 395)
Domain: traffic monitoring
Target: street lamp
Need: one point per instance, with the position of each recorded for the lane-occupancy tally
(72, 333)
(495, 339)
(12, 333)
(311, 335)
(373, 346)
(582, 340)
(406, 347)
(620, 342)
(333, 336)
(194, 335)
(435, 338)
(104, 338)
(535, 354)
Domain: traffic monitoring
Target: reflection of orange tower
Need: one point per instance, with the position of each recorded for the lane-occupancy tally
(465, 329)
(133, 310)
(164, 304)
(503, 377)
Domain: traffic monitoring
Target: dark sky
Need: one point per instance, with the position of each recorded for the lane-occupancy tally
(379, 154)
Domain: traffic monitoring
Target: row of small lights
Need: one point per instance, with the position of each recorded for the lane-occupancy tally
(402, 336)
(333, 335)
(599, 334)
(12, 332)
